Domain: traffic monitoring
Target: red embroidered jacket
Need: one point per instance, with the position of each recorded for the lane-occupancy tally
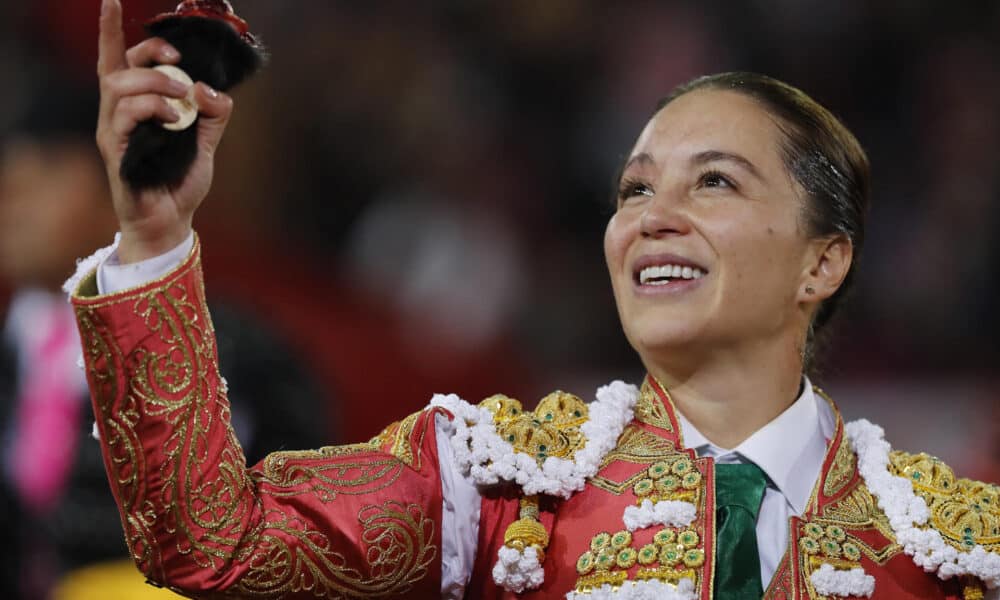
(364, 520)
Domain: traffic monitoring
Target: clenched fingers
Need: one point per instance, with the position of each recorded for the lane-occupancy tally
(152, 51)
(123, 84)
(132, 82)
(211, 103)
(215, 108)
(133, 110)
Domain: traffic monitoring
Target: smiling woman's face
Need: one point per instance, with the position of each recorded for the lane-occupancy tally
(707, 250)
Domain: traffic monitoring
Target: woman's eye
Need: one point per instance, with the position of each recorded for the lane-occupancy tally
(630, 189)
(715, 179)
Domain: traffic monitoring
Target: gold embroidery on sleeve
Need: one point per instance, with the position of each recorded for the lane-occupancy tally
(118, 432)
(327, 480)
(290, 557)
(177, 382)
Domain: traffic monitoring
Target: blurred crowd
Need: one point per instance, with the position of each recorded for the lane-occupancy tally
(413, 194)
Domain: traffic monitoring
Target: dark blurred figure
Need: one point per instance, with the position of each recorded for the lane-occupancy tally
(56, 509)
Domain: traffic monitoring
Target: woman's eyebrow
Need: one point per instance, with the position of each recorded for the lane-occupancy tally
(709, 156)
(643, 158)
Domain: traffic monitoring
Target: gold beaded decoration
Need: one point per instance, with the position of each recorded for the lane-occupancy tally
(626, 558)
(527, 531)
(827, 545)
(679, 554)
(965, 512)
(599, 541)
(675, 479)
(674, 554)
(621, 539)
(552, 429)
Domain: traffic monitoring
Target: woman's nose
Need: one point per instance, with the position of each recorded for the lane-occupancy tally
(664, 216)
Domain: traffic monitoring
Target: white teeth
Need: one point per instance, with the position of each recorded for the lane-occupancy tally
(662, 274)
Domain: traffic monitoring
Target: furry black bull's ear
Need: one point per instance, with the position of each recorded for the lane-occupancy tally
(216, 48)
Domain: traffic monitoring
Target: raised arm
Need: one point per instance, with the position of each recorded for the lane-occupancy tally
(359, 521)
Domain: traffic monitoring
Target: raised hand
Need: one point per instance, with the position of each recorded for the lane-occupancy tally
(151, 221)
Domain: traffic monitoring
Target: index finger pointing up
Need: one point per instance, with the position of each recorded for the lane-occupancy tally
(111, 45)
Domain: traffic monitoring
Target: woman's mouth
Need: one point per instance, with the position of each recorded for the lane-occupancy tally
(664, 274)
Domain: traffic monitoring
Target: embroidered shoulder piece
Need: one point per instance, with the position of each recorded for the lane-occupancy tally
(552, 429)
(949, 526)
(966, 513)
(551, 450)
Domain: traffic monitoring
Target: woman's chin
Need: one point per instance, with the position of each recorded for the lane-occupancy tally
(664, 337)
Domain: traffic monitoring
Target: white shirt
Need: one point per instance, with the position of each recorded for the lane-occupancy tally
(790, 450)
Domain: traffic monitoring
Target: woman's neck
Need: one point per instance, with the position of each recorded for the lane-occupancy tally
(731, 396)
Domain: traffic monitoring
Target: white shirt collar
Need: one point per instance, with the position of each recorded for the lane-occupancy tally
(790, 449)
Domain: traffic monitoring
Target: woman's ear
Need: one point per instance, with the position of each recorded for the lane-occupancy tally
(827, 265)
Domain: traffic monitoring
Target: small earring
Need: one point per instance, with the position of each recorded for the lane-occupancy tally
(810, 290)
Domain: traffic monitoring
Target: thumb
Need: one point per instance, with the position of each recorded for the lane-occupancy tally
(215, 108)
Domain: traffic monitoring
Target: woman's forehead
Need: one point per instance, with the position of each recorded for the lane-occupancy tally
(711, 121)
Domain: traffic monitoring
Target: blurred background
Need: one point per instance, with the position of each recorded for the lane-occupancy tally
(411, 198)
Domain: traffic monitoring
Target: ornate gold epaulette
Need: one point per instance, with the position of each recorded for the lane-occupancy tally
(552, 429)
(966, 513)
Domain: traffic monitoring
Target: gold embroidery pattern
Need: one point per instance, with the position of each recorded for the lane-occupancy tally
(842, 469)
(326, 480)
(858, 510)
(396, 440)
(353, 469)
(781, 586)
(552, 429)
(205, 497)
(103, 358)
(636, 445)
(179, 385)
(965, 512)
(649, 409)
(399, 541)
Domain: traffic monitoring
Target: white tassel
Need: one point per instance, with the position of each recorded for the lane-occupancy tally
(836, 582)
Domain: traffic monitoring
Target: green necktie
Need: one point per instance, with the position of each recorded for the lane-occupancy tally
(739, 490)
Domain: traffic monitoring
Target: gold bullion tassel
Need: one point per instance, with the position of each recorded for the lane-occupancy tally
(972, 589)
(527, 531)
